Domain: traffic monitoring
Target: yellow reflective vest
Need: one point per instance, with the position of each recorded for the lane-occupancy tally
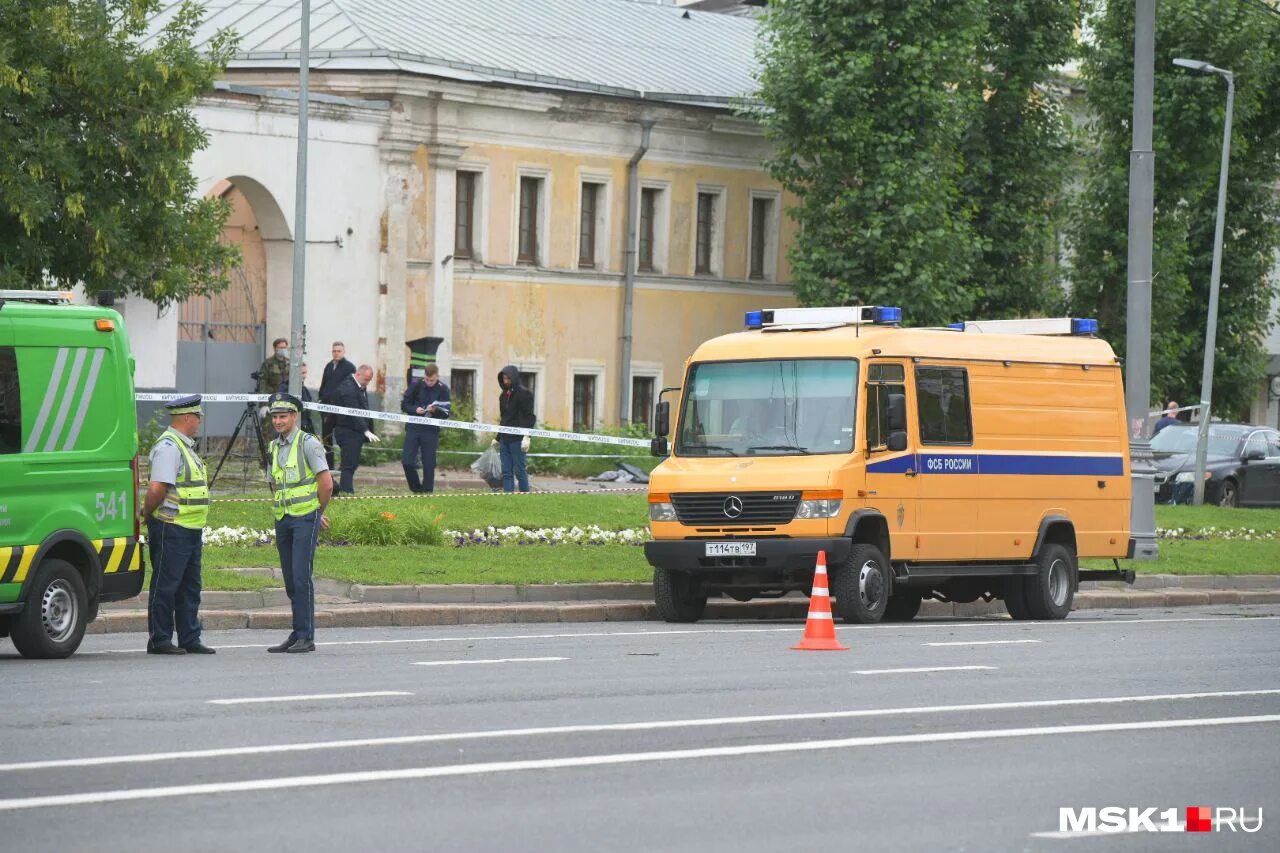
(192, 487)
(296, 492)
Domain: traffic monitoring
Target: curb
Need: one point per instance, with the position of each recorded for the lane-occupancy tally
(364, 615)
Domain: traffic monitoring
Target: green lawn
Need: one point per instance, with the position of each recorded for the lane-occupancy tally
(1205, 557)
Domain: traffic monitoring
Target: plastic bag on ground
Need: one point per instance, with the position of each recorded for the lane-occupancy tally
(489, 466)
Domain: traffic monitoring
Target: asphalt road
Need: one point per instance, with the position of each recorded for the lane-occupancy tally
(934, 735)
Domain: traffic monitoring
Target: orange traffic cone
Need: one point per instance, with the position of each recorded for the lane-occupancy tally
(819, 630)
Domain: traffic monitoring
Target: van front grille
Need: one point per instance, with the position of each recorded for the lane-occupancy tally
(735, 508)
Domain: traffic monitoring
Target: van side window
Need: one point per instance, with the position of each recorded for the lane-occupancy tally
(942, 399)
(10, 403)
(882, 380)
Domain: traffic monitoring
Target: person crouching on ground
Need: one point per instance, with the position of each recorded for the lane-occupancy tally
(302, 485)
(515, 404)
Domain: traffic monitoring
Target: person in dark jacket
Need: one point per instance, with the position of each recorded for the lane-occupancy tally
(515, 405)
(307, 422)
(352, 431)
(334, 372)
(1170, 418)
(429, 397)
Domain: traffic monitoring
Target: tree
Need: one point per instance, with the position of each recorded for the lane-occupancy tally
(860, 103)
(1018, 155)
(1188, 117)
(96, 139)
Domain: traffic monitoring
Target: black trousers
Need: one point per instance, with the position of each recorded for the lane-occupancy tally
(349, 443)
(326, 424)
(420, 441)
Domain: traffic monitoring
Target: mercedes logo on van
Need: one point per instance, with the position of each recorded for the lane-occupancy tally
(732, 506)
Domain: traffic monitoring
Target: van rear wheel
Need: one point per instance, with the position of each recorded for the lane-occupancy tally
(1015, 598)
(52, 623)
(1050, 590)
(678, 595)
(861, 585)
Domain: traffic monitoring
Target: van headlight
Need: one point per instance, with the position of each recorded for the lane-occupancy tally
(661, 508)
(819, 505)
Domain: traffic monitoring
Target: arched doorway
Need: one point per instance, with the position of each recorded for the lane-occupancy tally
(222, 338)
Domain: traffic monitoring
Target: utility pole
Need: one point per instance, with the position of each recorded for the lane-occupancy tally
(1142, 515)
(296, 336)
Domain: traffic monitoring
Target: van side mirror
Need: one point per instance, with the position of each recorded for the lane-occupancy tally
(897, 413)
(897, 440)
(662, 419)
(658, 446)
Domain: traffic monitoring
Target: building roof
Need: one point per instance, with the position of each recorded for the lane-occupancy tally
(613, 47)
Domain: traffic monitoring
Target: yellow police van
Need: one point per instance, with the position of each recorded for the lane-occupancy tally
(68, 471)
(980, 460)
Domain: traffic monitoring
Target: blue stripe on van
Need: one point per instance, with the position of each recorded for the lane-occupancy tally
(998, 463)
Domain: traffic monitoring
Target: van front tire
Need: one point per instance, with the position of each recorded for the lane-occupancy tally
(678, 595)
(52, 623)
(861, 586)
(1050, 590)
(903, 606)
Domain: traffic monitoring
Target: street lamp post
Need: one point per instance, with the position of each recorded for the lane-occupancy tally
(1211, 327)
(296, 337)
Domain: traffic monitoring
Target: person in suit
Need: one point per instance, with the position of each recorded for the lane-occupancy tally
(429, 397)
(352, 431)
(334, 373)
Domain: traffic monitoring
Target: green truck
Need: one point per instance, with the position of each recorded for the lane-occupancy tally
(68, 469)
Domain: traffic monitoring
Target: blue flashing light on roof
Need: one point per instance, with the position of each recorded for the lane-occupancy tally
(959, 327)
(755, 319)
(1083, 326)
(888, 314)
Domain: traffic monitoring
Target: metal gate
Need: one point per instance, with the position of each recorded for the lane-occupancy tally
(221, 341)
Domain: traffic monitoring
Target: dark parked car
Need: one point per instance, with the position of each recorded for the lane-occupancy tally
(1242, 465)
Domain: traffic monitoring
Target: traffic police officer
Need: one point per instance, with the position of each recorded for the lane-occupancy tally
(302, 485)
(176, 509)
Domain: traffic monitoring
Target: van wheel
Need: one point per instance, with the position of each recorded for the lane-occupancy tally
(861, 585)
(53, 622)
(680, 598)
(1050, 590)
(903, 606)
(1015, 598)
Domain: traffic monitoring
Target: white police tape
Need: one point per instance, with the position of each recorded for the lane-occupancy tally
(412, 419)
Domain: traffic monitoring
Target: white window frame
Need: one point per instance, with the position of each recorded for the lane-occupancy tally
(471, 363)
(480, 238)
(585, 367)
(661, 225)
(543, 252)
(771, 229)
(538, 367)
(604, 204)
(644, 370)
(717, 231)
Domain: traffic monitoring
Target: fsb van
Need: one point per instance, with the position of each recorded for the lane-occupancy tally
(68, 474)
(980, 460)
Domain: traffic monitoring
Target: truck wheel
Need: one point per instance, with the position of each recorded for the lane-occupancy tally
(680, 598)
(1015, 598)
(861, 585)
(903, 606)
(1050, 590)
(53, 622)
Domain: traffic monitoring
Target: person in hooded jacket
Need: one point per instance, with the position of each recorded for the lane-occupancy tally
(515, 405)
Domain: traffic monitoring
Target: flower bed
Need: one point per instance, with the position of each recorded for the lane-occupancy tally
(491, 536)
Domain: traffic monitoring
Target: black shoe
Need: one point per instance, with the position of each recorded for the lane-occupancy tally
(301, 646)
(165, 649)
(198, 648)
(283, 647)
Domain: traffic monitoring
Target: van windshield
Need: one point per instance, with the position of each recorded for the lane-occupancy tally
(780, 407)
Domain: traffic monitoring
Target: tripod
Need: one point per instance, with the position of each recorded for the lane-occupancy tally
(250, 419)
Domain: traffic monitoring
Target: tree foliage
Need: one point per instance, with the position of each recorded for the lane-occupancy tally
(96, 139)
(1188, 117)
(861, 106)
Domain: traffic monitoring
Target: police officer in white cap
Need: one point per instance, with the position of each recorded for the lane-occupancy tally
(176, 509)
(302, 486)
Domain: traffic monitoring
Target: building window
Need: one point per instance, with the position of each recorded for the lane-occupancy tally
(942, 403)
(10, 403)
(584, 401)
(462, 385)
(642, 401)
(761, 237)
(530, 381)
(530, 199)
(648, 215)
(587, 226)
(464, 238)
(706, 233)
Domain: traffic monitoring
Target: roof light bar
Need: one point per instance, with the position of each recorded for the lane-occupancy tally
(1036, 326)
(59, 296)
(823, 318)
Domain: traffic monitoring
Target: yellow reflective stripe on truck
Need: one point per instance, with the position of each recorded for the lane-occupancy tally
(24, 562)
(122, 554)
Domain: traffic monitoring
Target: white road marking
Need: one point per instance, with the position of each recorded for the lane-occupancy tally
(650, 725)
(983, 643)
(311, 697)
(1091, 833)
(999, 622)
(490, 660)
(439, 771)
(910, 669)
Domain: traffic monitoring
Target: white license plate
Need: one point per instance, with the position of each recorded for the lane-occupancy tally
(731, 549)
